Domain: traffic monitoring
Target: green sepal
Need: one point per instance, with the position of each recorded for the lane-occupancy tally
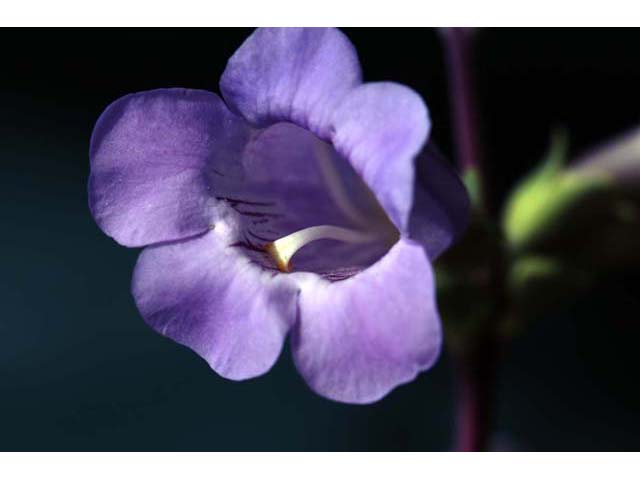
(472, 182)
(541, 205)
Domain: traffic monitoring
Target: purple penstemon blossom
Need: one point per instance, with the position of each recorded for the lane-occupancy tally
(306, 203)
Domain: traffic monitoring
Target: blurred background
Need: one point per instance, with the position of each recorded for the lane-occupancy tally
(80, 370)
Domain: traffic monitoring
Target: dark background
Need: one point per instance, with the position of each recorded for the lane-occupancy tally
(79, 369)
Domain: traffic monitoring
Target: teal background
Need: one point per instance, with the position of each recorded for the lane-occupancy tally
(80, 370)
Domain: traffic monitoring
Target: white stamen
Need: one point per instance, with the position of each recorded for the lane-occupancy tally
(284, 248)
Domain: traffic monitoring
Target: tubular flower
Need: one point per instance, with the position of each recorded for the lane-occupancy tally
(305, 203)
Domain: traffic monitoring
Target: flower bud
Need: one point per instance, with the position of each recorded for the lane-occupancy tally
(587, 213)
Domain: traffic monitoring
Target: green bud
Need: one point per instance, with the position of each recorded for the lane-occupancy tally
(542, 203)
(586, 214)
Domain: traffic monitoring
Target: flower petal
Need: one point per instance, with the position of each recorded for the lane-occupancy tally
(210, 298)
(281, 165)
(156, 158)
(618, 158)
(380, 128)
(440, 212)
(292, 74)
(358, 339)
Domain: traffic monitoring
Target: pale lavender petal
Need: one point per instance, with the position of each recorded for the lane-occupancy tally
(618, 158)
(207, 296)
(156, 159)
(358, 339)
(293, 74)
(440, 212)
(380, 128)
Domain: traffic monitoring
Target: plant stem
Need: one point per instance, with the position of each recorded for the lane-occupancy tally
(459, 57)
(476, 378)
(476, 363)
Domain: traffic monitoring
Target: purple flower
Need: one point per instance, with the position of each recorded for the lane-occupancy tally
(299, 154)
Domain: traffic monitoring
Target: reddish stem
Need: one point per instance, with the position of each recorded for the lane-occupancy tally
(476, 367)
(476, 376)
(459, 50)
(459, 56)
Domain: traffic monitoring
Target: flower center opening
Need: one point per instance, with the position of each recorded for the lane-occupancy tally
(283, 249)
(303, 199)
